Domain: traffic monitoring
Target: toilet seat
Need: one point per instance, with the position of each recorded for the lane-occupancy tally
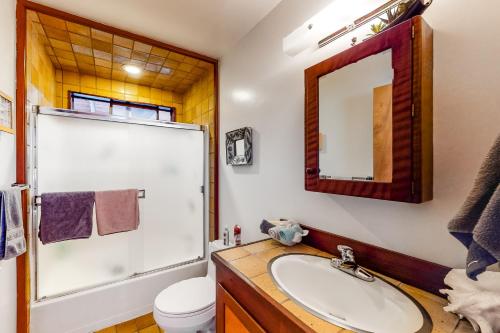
(188, 298)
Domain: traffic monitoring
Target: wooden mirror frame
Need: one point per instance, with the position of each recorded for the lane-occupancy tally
(411, 45)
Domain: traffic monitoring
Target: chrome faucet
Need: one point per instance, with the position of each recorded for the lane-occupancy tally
(347, 264)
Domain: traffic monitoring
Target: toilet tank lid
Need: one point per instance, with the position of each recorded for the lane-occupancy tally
(218, 244)
(187, 296)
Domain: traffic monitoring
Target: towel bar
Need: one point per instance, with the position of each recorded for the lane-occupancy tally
(20, 186)
(37, 200)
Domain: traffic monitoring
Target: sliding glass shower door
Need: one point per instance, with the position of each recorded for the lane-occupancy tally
(82, 154)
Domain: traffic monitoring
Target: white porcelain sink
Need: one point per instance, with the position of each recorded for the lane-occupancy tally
(347, 301)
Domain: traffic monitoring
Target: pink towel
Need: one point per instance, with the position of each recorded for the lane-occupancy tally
(116, 211)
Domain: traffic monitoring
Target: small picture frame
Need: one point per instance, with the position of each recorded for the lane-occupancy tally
(239, 147)
(6, 121)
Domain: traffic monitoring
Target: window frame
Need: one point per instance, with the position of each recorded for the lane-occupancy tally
(114, 101)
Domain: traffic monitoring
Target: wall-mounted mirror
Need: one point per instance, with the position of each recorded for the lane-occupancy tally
(239, 147)
(355, 121)
(368, 117)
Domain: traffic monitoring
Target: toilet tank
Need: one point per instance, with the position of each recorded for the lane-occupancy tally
(213, 246)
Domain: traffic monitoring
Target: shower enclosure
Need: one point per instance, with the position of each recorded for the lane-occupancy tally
(73, 151)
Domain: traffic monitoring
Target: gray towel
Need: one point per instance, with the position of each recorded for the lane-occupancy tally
(15, 243)
(477, 224)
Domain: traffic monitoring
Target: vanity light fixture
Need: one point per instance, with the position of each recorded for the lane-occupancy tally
(340, 13)
(342, 17)
(132, 69)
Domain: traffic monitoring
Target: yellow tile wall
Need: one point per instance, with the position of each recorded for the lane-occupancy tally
(70, 81)
(40, 73)
(199, 108)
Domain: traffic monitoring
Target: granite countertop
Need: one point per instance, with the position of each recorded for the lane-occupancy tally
(251, 261)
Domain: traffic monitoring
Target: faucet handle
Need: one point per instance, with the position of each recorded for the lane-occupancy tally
(344, 248)
(347, 254)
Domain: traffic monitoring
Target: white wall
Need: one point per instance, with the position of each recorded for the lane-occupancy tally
(466, 121)
(7, 157)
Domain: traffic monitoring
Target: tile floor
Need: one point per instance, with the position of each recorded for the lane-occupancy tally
(142, 324)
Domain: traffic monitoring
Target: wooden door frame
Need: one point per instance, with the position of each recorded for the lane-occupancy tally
(22, 262)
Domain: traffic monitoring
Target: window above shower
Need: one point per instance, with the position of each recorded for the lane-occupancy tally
(119, 108)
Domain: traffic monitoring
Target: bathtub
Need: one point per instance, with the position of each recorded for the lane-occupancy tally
(104, 306)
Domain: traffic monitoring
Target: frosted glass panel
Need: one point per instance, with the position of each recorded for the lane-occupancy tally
(87, 155)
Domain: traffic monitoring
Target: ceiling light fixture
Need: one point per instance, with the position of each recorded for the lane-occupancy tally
(131, 69)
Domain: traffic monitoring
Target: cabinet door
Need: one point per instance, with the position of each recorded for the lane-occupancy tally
(368, 118)
(231, 317)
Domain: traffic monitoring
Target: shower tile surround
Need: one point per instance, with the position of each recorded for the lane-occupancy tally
(251, 261)
(69, 81)
(86, 50)
(63, 56)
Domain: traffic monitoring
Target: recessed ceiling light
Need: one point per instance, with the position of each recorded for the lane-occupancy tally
(131, 69)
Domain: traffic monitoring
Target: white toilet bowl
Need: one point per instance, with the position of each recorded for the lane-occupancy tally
(188, 306)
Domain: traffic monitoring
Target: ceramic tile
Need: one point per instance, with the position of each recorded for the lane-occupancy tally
(385, 277)
(145, 321)
(444, 322)
(234, 253)
(265, 283)
(57, 44)
(126, 327)
(78, 28)
(80, 40)
(122, 41)
(315, 323)
(101, 35)
(267, 255)
(261, 246)
(150, 329)
(99, 44)
(141, 47)
(52, 21)
(250, 266)
(111, 329)
(301, 248)
(324, 254)
(463, 326)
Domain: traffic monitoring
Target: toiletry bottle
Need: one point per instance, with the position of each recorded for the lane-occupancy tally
(237, 235)
(226, 236)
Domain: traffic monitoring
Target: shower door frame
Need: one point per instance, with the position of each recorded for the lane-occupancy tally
(34, 209)
(23, 262)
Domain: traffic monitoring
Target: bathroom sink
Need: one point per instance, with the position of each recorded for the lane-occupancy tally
(347, 301)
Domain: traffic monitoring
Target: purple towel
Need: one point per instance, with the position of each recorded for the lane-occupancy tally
(66, 215)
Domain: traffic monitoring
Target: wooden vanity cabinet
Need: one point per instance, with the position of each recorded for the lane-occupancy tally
(242, 308)
(231, 317)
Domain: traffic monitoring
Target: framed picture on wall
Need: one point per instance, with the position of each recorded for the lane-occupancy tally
(6, 121)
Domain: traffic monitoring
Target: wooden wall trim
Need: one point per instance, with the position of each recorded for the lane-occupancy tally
(22, 262)
(217, 150)
(417, 272)
(423, 104)
(104, 27)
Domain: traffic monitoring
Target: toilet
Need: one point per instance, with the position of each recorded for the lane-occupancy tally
(188, 306)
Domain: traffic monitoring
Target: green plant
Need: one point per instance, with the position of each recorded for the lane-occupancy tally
(377, 27)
